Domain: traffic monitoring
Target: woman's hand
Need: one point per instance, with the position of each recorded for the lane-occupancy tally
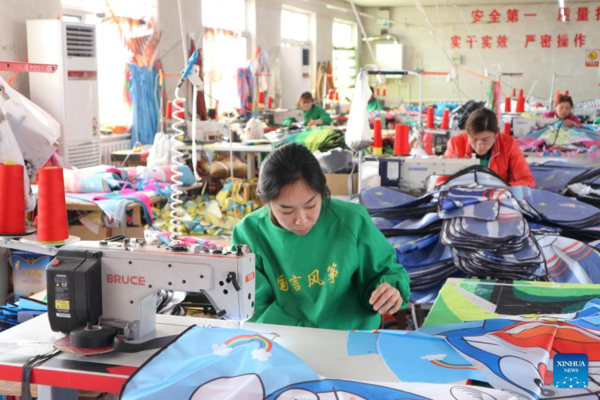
(386, 298)
(316, 122)
(568, 123)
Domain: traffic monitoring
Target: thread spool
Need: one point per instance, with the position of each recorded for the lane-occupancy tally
(52, 210)
(445, 119)
(401, 145)
(506, 128)
(169, 113)
(507, 105)
(430, 123)
(514, 92)
(92, 336)
(521, 104)
(377, 139)
(337, 96)
(180, 113)
(428, 143)
(261, 98)
(270, 102)
(12, 198)
(384, 90)
(520, 92)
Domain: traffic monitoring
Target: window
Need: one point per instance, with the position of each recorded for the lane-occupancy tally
(224, 14)
(295, 26)
(110, 52)
(344, 58)
(225, 49)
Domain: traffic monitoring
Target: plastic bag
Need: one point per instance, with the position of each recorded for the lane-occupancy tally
(27, 135)
(160, 153)
(358, 133)
(254, 130)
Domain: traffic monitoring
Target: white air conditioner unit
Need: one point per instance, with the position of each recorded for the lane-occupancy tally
(295, 74)
(70, 94)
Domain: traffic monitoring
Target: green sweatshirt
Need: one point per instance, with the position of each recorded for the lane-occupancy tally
(325, 278)
(315, 112)
(375, 105)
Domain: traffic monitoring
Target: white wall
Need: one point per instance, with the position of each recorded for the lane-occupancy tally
(13, 32)
(421, 50)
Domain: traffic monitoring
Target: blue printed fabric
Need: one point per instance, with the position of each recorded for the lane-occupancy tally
(554, 176)
(569, 260)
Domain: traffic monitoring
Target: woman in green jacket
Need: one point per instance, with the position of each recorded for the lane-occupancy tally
(320, 262)
(313, 113)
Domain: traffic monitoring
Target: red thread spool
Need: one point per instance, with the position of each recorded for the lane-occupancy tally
(377, 92)
(521, 104)
(514, 92)
(178, 113)
(270, 102)
(12, 199)
(520, 92)
(261, 98)
(377, 139)
(52, 210)
(445, 119)
(507, 105)
(169, 110)
(430, 123)
(384, 91)
(401, 145)
(331, 95)
(337, 96)
(428, 143)
(506, 128)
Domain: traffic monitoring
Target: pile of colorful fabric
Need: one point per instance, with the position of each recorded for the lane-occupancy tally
(504, 232)
(209, 215)
(558, 140)
(322, 139)
(12, 314)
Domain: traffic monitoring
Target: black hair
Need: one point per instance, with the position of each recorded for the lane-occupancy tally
(289, 164)
(482, 120)
(564, 99)
(305, 96)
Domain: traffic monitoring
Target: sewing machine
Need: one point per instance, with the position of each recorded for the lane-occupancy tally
(412, 173)
(115, 283)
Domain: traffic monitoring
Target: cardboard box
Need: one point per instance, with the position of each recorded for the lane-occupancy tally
(338, 184)
(29, 272)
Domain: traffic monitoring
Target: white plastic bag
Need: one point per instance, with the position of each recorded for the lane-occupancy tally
(27, 134)
(358, 133)
(255, 130)
(160, 152)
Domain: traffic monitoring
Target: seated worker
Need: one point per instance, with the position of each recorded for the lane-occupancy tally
(375, 104)
(562, 111)
(313, 113)
(320, 262)
(499, 153)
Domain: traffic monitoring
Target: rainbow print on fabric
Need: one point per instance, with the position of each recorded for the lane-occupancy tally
(442, 363)
(245, 339)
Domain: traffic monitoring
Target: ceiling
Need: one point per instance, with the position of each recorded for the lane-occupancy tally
(405, 3)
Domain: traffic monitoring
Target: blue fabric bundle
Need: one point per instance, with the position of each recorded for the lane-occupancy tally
(12, 314)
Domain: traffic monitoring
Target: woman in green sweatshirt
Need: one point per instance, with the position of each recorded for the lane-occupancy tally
(320, 262)
(313, 113)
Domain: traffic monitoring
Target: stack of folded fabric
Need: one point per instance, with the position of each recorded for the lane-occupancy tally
(426, 260)
(13, 314)
(555, 176)
(487, 236)
(569, 260)
(553, 209)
